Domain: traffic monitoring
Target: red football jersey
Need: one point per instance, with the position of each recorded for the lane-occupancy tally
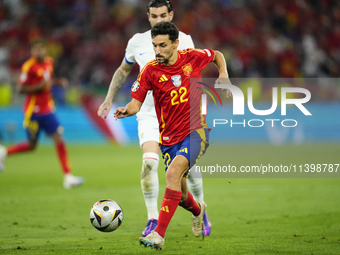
(177, 103)
(32, 72)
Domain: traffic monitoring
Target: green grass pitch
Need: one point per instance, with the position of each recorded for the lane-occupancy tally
(249, 216)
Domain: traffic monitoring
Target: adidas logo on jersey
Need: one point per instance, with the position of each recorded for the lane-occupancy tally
(163, 78)
(184, 150)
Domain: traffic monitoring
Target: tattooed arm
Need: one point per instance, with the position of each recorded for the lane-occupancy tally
(117, 82)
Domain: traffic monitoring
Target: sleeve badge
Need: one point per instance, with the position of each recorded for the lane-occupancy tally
(135, 86)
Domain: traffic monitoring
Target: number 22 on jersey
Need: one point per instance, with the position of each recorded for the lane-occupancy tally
(178, 96)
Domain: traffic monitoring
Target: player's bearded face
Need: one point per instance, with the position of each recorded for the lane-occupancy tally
(163, 58)
(39, 52)
(164, 48)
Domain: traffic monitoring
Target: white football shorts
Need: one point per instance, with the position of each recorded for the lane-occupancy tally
(148, 128)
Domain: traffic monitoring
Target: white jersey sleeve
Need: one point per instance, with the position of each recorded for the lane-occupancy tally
(139, 49)
(130, 52)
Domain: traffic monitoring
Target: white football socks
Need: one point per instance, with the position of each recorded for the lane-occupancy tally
(150, 184)
(195, 184)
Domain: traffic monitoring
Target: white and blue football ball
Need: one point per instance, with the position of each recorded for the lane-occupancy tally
(106, 215)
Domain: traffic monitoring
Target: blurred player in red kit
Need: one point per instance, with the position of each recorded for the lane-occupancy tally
(35, 81)
(184, 135)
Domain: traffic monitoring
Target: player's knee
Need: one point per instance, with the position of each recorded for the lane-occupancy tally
(147, 166)
(172, 176)
(146, 174)
(150, 163)
(149, 169)
(57, 137)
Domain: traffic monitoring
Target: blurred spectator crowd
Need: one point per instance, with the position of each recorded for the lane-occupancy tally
(259, 38)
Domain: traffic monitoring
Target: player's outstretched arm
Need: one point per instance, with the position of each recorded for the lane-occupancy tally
(116, 84)
(221, 65)
(24, 89)
(61, 82)
(129, 110)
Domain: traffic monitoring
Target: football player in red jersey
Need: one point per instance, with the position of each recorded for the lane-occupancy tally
(184, 136)
(139, 50)
(35, 81)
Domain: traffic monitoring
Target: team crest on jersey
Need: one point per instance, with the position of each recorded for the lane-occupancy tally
(135, 86)
(187, 69)
(176, 80)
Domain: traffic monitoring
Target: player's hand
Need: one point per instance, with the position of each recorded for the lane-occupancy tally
(120, 113)
(44, 86)
(63, 82)
(224, 79)
(104, 109)
(49, 84)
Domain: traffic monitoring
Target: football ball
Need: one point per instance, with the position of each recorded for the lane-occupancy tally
(106, 215)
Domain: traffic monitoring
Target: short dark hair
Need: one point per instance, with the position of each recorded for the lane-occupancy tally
(36, 41)
(160, 3)
(165, 28)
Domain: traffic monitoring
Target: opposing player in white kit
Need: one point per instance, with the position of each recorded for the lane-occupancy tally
(140, 50)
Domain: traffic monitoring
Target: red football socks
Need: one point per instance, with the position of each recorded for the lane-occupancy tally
(20, 147)
(191, 205)
(169, 205)
(63, 157)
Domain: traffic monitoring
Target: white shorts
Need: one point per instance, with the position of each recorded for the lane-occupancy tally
(148, 128)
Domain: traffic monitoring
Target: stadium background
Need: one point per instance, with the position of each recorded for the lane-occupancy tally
(259, 38)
